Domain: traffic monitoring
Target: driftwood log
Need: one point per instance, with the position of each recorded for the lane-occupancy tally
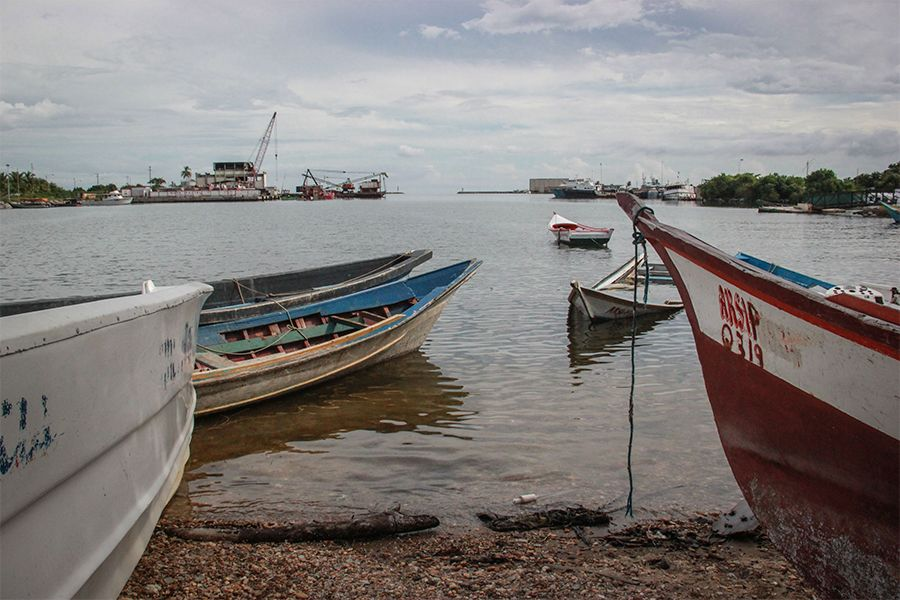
(554, 517)
(357, 527)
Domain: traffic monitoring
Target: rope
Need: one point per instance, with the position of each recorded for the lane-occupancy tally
(637, 239)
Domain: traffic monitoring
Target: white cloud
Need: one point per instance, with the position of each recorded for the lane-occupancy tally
(21, 114)
(432, 32)
(405, 150)
(532, 16)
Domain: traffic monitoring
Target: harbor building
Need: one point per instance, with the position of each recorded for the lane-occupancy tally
(545, 185)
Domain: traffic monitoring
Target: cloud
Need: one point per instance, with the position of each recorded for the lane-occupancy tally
(405, 150)
(533, 16)
(20, 114)
(433, 32)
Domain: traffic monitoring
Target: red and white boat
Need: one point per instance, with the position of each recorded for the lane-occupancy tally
(805, 390)
(575, 234)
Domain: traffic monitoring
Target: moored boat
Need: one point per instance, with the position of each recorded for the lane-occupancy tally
(575, 234)
(246, 361)
(96, 425)
(679, 192)
(114, 198)
(804, 390)
(576, 188)
(31, 203)
(613, 296)
(243, 297)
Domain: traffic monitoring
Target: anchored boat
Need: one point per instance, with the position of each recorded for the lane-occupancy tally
(246, 361)
(575, 234)
(613, 296)
(96, 426)
(804, 389)
(244, 297)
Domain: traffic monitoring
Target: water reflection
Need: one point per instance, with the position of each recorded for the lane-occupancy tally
(257, 463)
(596, 343)
(406, 394)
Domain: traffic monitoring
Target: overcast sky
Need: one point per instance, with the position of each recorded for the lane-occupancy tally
(444, 95)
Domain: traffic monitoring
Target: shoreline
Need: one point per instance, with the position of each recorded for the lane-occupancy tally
(642, 559)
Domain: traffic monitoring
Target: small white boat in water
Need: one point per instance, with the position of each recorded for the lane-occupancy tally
(114, 198)
(97, 415)
(613, 296)
(575, 234)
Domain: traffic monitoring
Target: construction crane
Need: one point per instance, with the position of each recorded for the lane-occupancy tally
(369, 185)
(261, 148)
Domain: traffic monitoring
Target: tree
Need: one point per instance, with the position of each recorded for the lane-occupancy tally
(823, 181)
(157, 182)
(186, 173)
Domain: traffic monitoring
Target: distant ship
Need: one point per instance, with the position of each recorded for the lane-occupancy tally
(577, 188)
(114, 198)
(679, 191)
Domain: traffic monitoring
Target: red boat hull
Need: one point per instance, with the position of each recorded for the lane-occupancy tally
(818, 463)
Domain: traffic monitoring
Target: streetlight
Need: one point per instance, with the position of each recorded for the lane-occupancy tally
(601, 175)
(740, 166)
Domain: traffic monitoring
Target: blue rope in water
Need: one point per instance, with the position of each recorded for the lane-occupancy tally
(637, 239)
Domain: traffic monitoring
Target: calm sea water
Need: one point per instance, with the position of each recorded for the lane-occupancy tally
(508, 396)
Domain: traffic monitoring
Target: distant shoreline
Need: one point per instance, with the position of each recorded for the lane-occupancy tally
(493, 192)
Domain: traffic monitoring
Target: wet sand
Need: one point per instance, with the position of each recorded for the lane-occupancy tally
(648, 559)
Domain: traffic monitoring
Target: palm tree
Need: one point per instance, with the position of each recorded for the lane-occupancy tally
(186, 173)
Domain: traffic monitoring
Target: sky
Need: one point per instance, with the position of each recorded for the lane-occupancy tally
(448, 95)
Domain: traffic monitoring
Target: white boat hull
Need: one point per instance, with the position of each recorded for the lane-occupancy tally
(96, 426)
(604, 305)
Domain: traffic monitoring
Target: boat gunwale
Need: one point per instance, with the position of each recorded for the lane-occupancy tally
(265, 363)
(852, 325)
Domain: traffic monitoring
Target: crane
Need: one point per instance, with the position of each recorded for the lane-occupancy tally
(261, 148)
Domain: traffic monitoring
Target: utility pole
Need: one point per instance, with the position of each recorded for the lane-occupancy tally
(7, 181)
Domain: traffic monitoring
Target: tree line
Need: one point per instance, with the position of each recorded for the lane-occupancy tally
(25, 184)
(752, 190)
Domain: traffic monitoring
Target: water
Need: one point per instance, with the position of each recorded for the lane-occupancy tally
(507, 397)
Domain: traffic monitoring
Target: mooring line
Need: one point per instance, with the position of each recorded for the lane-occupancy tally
(637, 239)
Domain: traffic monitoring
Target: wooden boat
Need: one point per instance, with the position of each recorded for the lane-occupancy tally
(575, 234)
(613, 296)
(252, 296)
(245, 297)
(31, 203)
(96, 426)
(892, 211)
(246, 361)
(804, 390)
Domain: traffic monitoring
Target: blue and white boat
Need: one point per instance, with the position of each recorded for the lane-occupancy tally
(249, 360)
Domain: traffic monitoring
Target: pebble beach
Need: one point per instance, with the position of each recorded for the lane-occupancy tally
(647, 559)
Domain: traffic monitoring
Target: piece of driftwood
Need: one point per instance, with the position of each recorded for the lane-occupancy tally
(554, 517)
(358, 527)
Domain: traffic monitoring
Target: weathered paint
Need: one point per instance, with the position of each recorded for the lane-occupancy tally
(806, 404)
(93, 441)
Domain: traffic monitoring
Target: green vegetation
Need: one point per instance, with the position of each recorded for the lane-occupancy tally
(751, 190)
(28, 185)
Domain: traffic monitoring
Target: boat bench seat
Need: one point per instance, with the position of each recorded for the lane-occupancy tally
(295, 335)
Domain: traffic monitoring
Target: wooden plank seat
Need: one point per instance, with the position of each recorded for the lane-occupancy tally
(256, 344)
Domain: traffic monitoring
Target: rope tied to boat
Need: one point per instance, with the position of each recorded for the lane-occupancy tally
(637, 240)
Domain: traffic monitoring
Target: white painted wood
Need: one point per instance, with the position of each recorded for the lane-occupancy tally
(804, 354)
(97, 414)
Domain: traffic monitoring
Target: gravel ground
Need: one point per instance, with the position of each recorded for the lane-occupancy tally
(658, 559)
